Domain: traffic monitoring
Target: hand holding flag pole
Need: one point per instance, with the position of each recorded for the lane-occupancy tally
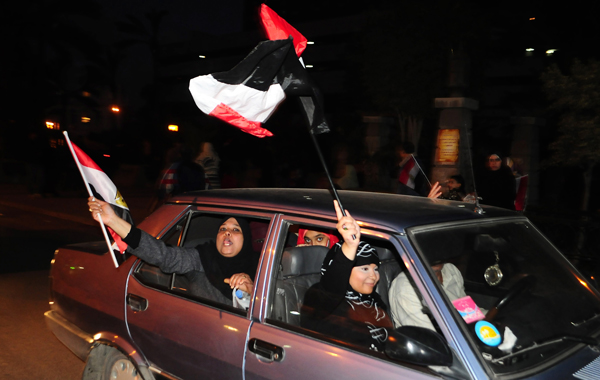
(87, 186)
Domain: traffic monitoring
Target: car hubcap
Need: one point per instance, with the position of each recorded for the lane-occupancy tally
(124, 370)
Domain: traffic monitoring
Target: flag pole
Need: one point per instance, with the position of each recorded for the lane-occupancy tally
(89, 190)
(421, 169)
(308, 106)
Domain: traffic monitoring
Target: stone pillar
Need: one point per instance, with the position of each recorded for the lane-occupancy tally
(525, 152)
(455, 114)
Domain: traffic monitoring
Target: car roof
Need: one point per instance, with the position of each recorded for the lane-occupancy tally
(378, 209)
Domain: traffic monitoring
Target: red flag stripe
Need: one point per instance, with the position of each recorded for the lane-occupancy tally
(227, 114)
(279, 29)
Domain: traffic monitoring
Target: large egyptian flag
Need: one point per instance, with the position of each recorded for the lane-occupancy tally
(104, 189)
(248, 94)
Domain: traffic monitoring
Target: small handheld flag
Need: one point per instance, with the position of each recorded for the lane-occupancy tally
(100, 186)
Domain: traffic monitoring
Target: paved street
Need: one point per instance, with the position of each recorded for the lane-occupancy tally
(30, 230)
(28, 350)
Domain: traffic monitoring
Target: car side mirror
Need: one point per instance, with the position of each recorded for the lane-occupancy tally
(418, 345)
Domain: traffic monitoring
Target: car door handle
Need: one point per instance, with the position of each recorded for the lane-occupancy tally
(137, 303)
(266, 349)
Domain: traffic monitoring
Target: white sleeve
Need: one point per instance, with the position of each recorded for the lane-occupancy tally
(405, 305)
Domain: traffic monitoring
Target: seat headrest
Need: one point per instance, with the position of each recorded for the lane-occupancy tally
(303, 260)
(384, 254)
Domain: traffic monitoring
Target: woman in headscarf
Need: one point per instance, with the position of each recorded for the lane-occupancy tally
(214, 268)
(311, 237)
(496, 185)
(344, 304)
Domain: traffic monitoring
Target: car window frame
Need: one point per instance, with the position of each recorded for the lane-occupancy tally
(186, 216)
(278, 245)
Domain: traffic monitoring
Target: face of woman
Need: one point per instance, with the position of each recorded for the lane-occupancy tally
(230, 239)
(316, 238)
(494, 162)
(364, 278)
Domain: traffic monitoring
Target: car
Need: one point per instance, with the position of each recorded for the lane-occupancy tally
(135, 321)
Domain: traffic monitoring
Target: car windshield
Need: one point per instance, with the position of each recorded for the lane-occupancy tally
(522, 283)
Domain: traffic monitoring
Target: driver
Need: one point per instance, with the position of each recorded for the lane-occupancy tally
(406, 306)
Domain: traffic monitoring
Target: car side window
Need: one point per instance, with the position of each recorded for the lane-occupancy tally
(193, 230)
(300, 269)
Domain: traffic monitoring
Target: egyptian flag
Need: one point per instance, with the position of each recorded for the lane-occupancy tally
(104, 189)
(409, 172)
(248, 94)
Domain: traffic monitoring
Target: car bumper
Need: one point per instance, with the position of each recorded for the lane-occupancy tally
(70, 335)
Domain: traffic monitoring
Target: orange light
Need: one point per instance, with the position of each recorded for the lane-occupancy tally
(531, 18)
(115, 109)
(106, 155)
(85, 119)
(52, 125)
(173, 128)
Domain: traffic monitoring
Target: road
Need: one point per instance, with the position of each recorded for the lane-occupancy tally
(28, 240)
(28, 350)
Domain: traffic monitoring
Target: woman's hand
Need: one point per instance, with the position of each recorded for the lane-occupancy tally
(350, 231)
(241, 281)
(101, 209)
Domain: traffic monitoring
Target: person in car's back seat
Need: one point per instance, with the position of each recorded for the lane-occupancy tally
(310, 237)
(344, 304)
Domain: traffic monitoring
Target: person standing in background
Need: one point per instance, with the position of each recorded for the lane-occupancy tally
(209, 160)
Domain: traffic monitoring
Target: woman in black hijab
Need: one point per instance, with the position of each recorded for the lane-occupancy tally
(344, 304)
(496, 185)
(214, 268)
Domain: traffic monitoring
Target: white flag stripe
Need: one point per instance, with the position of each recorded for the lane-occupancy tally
(254, 105)
(102, 184)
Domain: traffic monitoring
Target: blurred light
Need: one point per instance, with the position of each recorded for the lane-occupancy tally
(52, 125)
(97, 336)
(85, 119)
(202, 56)
(549, 52)
(106, 155)
(531, 18)
(309, 66)
(230, 328)
(310, 42)
(115, 109)
(173, 128)
(529, 49)
(86, 94)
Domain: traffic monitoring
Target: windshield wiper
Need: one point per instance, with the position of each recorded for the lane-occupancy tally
(577, 324)
(573, 338)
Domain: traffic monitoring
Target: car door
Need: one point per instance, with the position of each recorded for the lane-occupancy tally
(179, 333)
(278, 346)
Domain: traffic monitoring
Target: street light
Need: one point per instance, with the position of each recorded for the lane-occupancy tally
(115, 109)
(173, 128)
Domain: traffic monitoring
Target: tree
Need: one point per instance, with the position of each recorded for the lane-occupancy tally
(576, 97)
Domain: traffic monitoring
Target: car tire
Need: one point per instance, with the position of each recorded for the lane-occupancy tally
(108, 363)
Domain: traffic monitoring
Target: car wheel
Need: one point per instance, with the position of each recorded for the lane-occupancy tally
(121, 368)
(107, 363)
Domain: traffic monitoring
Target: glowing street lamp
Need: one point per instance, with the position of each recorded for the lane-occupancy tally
(173, 128)
(115, 109)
